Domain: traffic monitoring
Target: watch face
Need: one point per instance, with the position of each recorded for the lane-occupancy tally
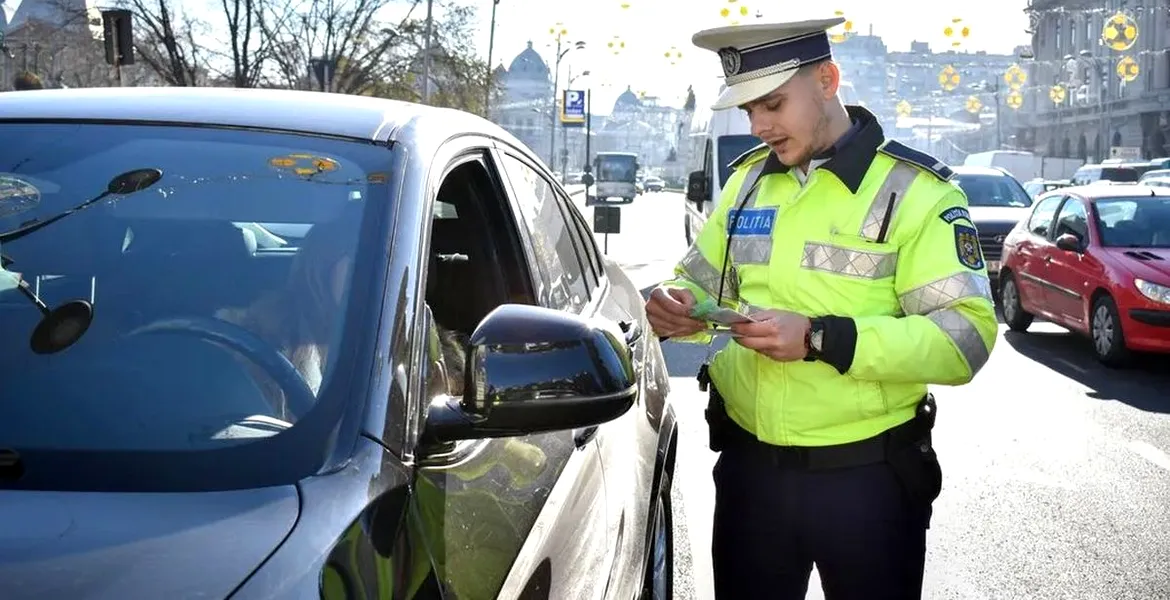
(816, 338)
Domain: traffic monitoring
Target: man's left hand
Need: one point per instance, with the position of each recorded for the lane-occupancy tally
(777, 334)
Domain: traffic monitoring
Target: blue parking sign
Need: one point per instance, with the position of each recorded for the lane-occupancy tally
(573, 107)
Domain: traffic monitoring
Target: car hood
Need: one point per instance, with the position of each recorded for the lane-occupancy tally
(1152, 264)
(1006, 216)
(115, 545)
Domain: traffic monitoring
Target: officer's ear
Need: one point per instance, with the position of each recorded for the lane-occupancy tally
(828, 78)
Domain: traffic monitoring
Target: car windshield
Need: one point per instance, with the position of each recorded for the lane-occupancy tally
(1141, 222)
(993, 190)
(217, 263)
(730, 147)
(617, 167)
(1120, 174)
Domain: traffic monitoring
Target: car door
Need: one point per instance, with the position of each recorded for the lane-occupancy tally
(629, 443)
(1071, 275)
(519, 516)
(574, 534)
(1033, 250)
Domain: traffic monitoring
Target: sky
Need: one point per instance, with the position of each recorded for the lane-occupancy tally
(652, 27)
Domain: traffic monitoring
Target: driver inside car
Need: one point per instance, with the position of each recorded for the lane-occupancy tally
(301, 318)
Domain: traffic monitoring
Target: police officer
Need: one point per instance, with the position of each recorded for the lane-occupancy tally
(860, 266)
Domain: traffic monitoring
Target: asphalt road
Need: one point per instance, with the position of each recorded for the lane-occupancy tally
(1057, 470)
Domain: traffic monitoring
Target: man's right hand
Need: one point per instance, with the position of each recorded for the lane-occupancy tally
(669, 312)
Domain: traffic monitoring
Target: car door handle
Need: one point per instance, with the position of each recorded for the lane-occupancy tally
(633, 331)
(1047, 259)
(581, 437)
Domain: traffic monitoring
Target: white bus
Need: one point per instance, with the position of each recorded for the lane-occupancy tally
(716, 139)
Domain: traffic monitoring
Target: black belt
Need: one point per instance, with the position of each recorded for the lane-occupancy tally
(840, 456)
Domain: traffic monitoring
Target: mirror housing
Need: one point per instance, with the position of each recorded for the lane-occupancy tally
(698, 187)
(531, 369)
(1069, 242)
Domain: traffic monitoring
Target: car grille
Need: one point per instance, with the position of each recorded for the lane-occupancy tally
(992, 245)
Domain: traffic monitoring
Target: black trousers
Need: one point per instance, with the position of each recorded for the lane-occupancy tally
(772, 523)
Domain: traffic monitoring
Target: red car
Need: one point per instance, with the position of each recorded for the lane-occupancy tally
(1094, 259)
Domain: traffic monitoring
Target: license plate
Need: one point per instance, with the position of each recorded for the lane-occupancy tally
(993, 266)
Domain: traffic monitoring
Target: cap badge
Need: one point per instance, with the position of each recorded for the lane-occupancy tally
(732, 61)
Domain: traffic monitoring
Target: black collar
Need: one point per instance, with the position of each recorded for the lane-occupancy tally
(850, 157)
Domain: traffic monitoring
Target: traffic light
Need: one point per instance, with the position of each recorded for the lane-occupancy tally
(117, 29)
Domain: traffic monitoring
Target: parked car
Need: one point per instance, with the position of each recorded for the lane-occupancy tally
(438, 388)
(654, 184)
(1094, 259)
(1111, 172)
(997, 203)
(1038, 186)
(1154, 174)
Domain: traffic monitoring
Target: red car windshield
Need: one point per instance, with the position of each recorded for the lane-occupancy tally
(1141, 222)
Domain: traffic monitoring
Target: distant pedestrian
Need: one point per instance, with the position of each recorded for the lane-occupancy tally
(27, 80)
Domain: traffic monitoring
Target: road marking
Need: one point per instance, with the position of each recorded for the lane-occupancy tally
(1151, 453)
(1070, 364)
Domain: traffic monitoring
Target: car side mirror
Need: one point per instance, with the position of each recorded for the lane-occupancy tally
(1069, 242)
(531, 369)
(698, 187)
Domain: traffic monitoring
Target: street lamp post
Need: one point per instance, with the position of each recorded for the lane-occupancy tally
(1100, 68)
(565, 141)
(487, 99)
(552, 145)
(427, 54)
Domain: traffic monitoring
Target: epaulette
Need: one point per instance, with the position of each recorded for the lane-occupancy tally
(742, 158)
(922, 160)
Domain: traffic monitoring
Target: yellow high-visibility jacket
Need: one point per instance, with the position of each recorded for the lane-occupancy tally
(878, 242)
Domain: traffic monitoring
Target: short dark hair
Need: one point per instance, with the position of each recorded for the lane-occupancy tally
(26, 80)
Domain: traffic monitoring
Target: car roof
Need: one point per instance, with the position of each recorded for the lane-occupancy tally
(972, 170)
(343, 115)
(1095, 192)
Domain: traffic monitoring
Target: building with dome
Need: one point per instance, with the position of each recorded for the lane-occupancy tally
(524, 105)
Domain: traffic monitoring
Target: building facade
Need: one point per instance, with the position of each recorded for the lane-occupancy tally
(1100, 110)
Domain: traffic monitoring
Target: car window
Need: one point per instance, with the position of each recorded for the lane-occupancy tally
(234, 258)
(1121, 174)
(1042, 217)
(552, 242)
(1073, 219)
(993, 190)
(1134, 222)
(586, 244)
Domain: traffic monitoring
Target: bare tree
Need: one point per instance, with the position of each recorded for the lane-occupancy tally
(248, 44)
(346, 33)
(165, 41)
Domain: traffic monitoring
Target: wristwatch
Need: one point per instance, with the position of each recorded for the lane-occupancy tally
(814, 340)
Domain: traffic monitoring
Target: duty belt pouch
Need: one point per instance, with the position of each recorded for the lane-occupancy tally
(916, 464)
(715, 414)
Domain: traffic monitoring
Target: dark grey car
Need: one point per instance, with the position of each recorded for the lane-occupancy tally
(270, 344)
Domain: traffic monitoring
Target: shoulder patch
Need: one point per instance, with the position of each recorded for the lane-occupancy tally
(967, 247)
(743, 158)
(951, 215)
(922, 160)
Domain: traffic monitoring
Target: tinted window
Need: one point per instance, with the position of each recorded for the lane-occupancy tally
(246, 236)
(1042, 218)
(1073, 219)
(587, 247)
(730, 147)
(993, 190)
(552, 242)
(1134, 222)
(1123, 174)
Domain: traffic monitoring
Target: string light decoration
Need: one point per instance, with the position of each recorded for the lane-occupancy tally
(841, 32)
(1128, 69)
(1057, 94)
(673, 55)
(956, 33)
(733, 10)
(974, 105)
(616, 45)
(904, 109)
(1120, 32)
(1015, 100)
(558, 32)
(949, 78)
(1015, 77)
